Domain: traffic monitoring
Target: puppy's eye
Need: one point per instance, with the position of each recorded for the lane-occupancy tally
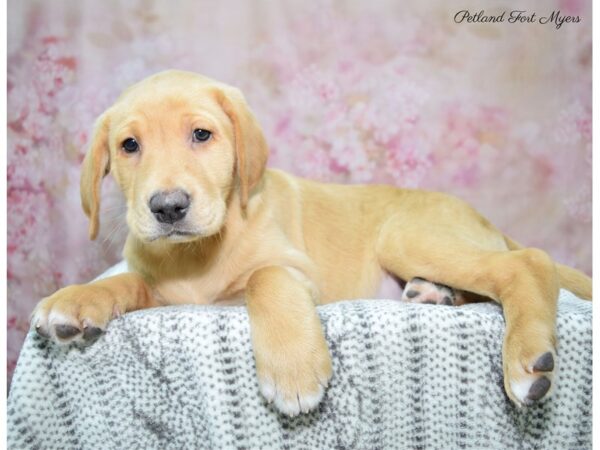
(130, 145)
(201, 135)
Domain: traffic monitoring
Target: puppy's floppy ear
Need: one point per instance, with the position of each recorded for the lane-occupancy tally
(96, 166)
(250, 144)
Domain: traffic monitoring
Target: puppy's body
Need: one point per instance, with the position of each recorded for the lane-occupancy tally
(327, 232)
(226, 230)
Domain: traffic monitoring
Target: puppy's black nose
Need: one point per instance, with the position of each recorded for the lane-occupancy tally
(169, 207)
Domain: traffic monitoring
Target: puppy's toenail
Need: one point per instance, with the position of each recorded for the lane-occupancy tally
(412, 293)
(92, 333)
(447, 300)
(66, 331)
(545, 363)
(538, 389)
(41, 332)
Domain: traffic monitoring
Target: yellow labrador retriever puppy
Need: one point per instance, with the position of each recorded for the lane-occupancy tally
(209, 224)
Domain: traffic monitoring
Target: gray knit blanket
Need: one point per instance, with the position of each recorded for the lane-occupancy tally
(406, 376)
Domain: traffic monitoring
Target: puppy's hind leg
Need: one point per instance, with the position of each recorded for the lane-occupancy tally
(524, 282)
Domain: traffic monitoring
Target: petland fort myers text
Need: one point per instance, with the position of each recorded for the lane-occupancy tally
(556, 18)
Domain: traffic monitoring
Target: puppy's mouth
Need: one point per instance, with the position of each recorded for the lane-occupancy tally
(181, 231)
(175, 235)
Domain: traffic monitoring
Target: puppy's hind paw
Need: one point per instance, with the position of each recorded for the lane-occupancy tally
(422, 291)
(530, 383)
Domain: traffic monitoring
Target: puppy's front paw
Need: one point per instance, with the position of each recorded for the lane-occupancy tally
(419, 290)
(74, 313)
(294, 379)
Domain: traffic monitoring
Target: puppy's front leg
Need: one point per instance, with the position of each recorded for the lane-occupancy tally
(82, 311)
(292, 359)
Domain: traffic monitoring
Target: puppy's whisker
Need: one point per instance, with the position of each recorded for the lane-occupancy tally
(113, 234)
(111, 208)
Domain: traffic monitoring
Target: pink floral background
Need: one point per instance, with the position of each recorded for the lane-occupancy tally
(386, 92)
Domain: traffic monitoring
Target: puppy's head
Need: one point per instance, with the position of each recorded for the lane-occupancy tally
(178, 144)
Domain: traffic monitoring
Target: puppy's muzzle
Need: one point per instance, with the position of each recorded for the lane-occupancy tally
(169, 207)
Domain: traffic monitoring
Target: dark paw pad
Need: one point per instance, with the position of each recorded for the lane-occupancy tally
(90, 333)
(42, 332)
(538, 390)
(66, 331)
(412, 293)
(545, 363)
